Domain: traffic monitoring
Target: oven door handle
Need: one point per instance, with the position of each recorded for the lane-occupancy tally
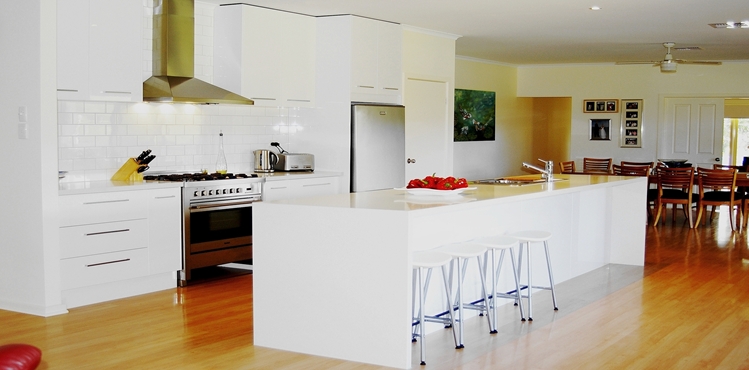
(221, 206)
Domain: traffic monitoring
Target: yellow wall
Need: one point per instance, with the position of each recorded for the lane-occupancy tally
(513, 123)
(628, 82)
(736, 108)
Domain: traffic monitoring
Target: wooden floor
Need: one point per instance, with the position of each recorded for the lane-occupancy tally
(688, 308)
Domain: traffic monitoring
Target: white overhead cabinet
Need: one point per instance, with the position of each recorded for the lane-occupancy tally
(264, 54)
(376, 61)
(100, 50)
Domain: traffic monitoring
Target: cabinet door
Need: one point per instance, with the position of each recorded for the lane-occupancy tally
(363, 55)
(275, 190)
(389, 58)
(116, 50)
(316, 186)
(72, 49)
(298, 38)
(164, 230)
(261, 54)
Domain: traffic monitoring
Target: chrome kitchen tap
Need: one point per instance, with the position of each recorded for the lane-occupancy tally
(547, 173)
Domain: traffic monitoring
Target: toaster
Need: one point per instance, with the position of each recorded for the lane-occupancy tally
(295, 162)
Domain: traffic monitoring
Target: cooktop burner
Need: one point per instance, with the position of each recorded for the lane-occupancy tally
(197, 176)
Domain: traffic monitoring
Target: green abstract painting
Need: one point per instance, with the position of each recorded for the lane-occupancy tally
(474, 115)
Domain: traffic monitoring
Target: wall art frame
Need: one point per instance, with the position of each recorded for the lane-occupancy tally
(600, 129)
(601, 106)
(630, 130)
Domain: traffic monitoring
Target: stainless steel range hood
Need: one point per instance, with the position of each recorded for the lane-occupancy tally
(173, 60)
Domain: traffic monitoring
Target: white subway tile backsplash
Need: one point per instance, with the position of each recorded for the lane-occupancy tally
(95, 107)
(64, 106)
(70, 130)
(84, 141)
(84, 118)
(105, 119)
(94, 130)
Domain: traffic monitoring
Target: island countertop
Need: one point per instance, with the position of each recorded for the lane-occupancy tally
(402, 200)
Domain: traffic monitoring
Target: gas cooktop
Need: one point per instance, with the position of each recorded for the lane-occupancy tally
(199, 176)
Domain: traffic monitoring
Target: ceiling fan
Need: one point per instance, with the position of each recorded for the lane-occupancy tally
(668, 64)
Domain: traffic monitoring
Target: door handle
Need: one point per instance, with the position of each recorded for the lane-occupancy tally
(409, 160)
(717, 159)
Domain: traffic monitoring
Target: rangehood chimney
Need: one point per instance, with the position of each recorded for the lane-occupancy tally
(173, 60)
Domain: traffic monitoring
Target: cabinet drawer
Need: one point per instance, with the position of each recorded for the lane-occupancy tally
(108, 237)
(103, 268)
(317, 186)
(102, 207)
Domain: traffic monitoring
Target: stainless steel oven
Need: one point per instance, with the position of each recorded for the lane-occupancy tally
(217, 222)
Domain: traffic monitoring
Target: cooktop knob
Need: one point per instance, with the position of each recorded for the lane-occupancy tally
(196, 193)
(202, 193)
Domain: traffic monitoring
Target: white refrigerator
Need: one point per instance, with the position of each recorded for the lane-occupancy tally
(378, 147)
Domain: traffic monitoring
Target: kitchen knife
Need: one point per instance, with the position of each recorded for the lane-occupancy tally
(147, 160)
(142, 169)
(143, 155)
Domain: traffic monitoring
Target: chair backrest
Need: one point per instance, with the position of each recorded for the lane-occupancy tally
(676, 178)
(597, 165)
(727, 167)
(716, 179)
(568, 167)
(628, 163)
(631, 170)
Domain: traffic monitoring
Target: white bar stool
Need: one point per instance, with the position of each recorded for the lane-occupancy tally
(501, 243)
(427, 260)
(461, 253)
(527, 237)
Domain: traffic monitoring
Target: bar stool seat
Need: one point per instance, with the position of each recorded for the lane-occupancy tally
(429, 260)
(461, 253)
(501, 243)
(526, 237)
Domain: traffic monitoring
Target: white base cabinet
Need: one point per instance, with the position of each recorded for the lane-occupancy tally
(116, 237)
(100, 50)
(299, 188)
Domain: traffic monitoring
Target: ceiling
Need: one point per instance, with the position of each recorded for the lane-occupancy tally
(531, 32)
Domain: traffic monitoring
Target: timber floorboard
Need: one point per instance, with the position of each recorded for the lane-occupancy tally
(687, 308)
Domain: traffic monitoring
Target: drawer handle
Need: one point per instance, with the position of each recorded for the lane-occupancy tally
(108, 201)
(166, 197)
(116, 92)
(108, 263)
(365, 86)
(67, 90)
(323, 184)
(299, 100)
(108, 232)
(261, 98)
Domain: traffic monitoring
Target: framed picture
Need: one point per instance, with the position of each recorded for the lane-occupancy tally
(474, 115)
(601, 106)
(630, 131)
(600, 129)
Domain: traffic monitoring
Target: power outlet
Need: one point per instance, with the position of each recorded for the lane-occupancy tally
(23, 114)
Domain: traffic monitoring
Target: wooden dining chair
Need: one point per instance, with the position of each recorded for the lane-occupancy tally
(742, 191)
(628, 163)
(717, 188)
(597, 165)
(568, 167)
(675, 187)
(621, 170)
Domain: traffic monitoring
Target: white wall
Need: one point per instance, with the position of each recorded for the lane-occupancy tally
(628, 82)
(29, 266)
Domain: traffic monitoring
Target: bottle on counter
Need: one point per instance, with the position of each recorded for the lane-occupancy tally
(221, 166)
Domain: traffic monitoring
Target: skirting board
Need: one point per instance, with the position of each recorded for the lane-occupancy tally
(118, 289)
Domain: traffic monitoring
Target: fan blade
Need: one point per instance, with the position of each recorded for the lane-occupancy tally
(703, 62)
(640, 62)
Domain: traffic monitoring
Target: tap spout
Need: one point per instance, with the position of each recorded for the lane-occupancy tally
(547, 172)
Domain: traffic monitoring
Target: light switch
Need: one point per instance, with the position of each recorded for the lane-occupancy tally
(23, 114)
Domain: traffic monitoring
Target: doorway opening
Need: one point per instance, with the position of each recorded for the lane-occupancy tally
(735, 140)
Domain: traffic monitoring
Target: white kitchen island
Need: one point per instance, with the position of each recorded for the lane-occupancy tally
(332, 274)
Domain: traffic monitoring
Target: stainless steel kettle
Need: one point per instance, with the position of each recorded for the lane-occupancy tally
(265, 160)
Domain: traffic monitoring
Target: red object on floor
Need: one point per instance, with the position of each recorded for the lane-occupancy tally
(19, 357)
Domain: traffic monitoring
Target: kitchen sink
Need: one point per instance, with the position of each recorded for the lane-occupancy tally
(516, 181)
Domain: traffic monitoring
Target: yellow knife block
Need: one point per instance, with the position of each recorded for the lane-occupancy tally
(128, 172)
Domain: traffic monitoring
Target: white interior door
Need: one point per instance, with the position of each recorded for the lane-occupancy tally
(427, 130)
(693, 130)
